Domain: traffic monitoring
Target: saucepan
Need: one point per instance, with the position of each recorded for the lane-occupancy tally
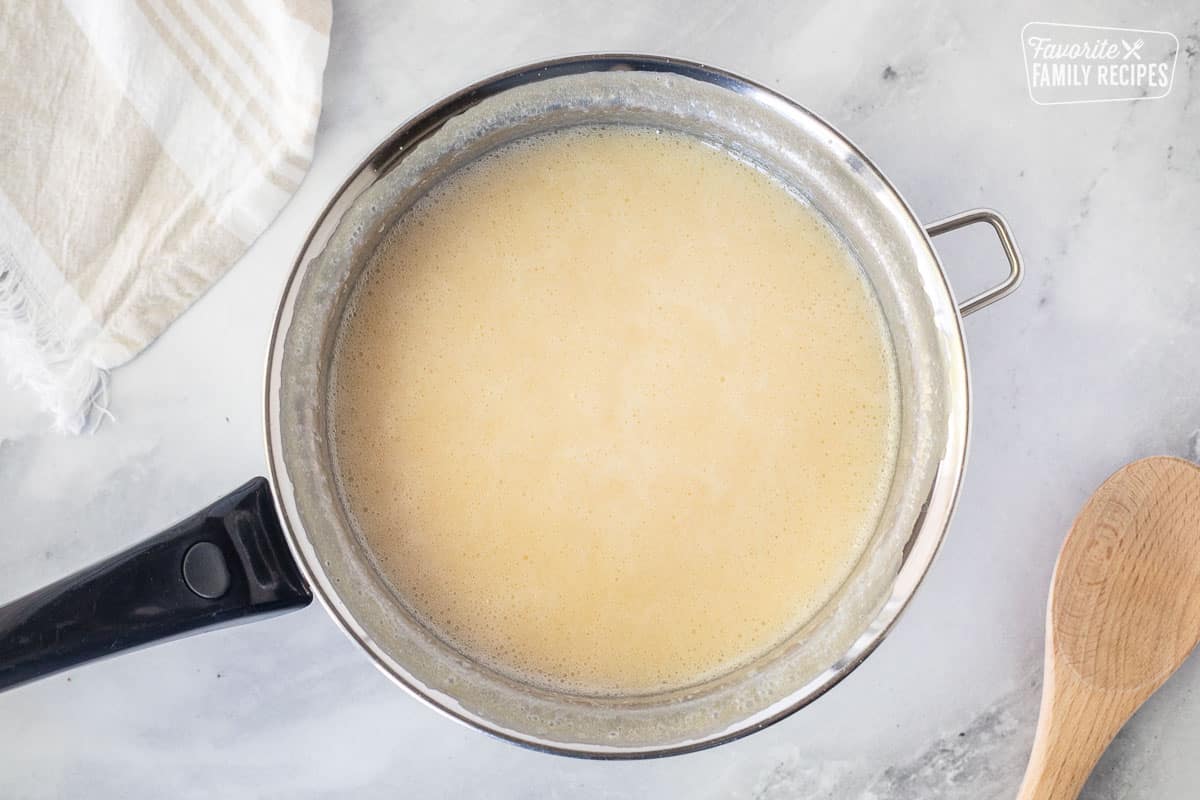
(274, 543)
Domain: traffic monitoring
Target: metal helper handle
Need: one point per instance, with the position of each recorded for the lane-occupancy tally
(1016, 268)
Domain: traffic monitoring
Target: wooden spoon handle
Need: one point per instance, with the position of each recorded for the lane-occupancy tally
(1075, 727)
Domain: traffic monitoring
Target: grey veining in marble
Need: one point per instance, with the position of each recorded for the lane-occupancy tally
(1093, 363)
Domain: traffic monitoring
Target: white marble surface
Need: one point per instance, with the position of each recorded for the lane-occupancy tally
(1093, 363)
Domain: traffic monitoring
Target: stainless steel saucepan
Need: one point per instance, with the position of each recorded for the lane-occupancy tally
(275, 542)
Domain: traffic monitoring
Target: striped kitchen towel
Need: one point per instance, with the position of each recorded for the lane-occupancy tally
(144, 144)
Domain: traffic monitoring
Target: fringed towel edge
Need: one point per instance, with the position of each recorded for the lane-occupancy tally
(67, 382)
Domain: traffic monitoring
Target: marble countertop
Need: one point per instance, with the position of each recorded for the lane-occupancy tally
(1094, 362)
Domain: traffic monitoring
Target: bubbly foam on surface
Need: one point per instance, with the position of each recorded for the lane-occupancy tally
(613, 411)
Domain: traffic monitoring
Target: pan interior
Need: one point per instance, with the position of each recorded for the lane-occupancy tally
(613, 411)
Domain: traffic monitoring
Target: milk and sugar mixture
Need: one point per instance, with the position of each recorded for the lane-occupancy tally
(614, 411)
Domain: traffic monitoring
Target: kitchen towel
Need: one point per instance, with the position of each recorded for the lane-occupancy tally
(144, 144)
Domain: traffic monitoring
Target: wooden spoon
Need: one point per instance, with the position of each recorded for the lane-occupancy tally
(1124, 613)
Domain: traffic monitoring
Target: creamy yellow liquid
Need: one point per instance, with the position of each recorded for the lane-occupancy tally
(614, 412)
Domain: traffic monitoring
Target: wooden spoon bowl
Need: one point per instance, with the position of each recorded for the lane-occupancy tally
(1124, 613)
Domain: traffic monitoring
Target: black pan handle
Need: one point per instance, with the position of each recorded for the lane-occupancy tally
(227, 563)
